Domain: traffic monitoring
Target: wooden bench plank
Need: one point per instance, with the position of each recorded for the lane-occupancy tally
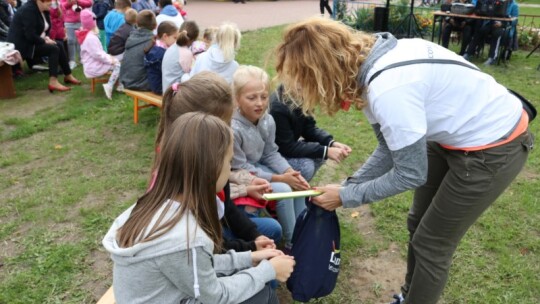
(100, 79)
(108, 297)
(148, 97)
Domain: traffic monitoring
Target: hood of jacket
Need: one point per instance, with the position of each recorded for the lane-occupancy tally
(215, 59)
(169, 10)
(174, 240)
(138, 37)
(81, 35)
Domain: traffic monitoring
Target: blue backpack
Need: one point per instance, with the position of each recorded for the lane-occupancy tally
(316, 243)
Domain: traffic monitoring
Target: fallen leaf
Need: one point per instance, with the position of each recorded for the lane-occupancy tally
(355, 214)
(57, 147)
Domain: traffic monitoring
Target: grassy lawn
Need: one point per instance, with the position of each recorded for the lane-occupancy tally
(70, 163)
(530, 2)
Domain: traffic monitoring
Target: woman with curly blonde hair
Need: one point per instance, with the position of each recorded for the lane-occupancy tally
(444, 128)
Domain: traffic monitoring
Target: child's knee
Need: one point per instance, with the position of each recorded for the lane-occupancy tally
(280, 187)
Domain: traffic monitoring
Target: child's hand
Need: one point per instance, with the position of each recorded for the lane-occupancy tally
(295, 180)
(257, 191)
(336, 154)
(284, 266)
(262, 242)
(266, 254)
(343, 147)
(260, 181)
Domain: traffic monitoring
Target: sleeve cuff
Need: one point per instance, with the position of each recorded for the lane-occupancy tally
(347, 196)
(268, 271)
(244, 259)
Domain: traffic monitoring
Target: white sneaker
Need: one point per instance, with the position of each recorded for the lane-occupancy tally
(489, 61)
(72, 65)
(108, 90)
(120, 88)
(40, 67)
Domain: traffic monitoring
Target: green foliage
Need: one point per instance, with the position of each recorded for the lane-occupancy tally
(362, 17)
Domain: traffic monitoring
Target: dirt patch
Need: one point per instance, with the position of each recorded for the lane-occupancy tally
(377, 278)
(380, 277)
(29, 103)
(527, 174)
(101, 267)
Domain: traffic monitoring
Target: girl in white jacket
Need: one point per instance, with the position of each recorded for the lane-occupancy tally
(219, 58)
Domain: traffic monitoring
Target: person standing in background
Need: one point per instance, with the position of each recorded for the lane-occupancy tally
(100, 8)
(140, 5)
(72, 21)
(58, 31)
(324, 4)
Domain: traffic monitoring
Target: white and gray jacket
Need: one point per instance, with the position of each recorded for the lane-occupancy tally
(212, 60)
(180, 267)
(255, 144)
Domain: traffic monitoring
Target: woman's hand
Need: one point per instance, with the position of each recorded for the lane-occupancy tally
(266, 254)
(262, 242)
(330, 199)
(49, 40)
(284, 266)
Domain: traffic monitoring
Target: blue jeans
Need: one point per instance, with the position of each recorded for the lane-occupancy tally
(307, 166)
(267, 226)
(287, 209)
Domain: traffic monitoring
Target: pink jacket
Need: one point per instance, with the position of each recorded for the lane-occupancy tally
(71, 16)
(94, 59)
(57, 32)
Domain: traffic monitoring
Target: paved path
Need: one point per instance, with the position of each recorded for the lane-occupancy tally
(252, 15)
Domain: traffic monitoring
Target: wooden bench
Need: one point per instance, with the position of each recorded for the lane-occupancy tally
(7, 89)
(101, 79)
(108, 297)
(151, 100)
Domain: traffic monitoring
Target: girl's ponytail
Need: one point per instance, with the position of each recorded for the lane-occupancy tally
(228, 39)
(183, 39)
(191, 30)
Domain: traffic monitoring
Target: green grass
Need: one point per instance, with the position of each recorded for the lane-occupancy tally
(70, 163)
(530, 2)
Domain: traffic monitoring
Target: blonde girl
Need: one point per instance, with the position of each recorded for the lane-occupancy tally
(165, 246)
(219, 58)
(254, 146)
(445, 129)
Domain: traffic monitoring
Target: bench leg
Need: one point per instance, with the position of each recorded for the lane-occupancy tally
(135, 110)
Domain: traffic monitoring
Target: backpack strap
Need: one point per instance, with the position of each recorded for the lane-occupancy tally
(417, 61)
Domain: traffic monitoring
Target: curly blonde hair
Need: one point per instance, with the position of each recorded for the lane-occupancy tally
(318, 62)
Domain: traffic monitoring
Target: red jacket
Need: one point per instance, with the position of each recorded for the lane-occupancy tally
(58, 31)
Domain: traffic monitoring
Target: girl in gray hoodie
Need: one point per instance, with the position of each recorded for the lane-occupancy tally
(164, 246)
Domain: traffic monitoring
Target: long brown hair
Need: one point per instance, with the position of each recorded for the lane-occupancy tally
(318, 62)
(190, 163)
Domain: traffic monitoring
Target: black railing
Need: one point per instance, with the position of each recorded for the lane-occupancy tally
(397, 19)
